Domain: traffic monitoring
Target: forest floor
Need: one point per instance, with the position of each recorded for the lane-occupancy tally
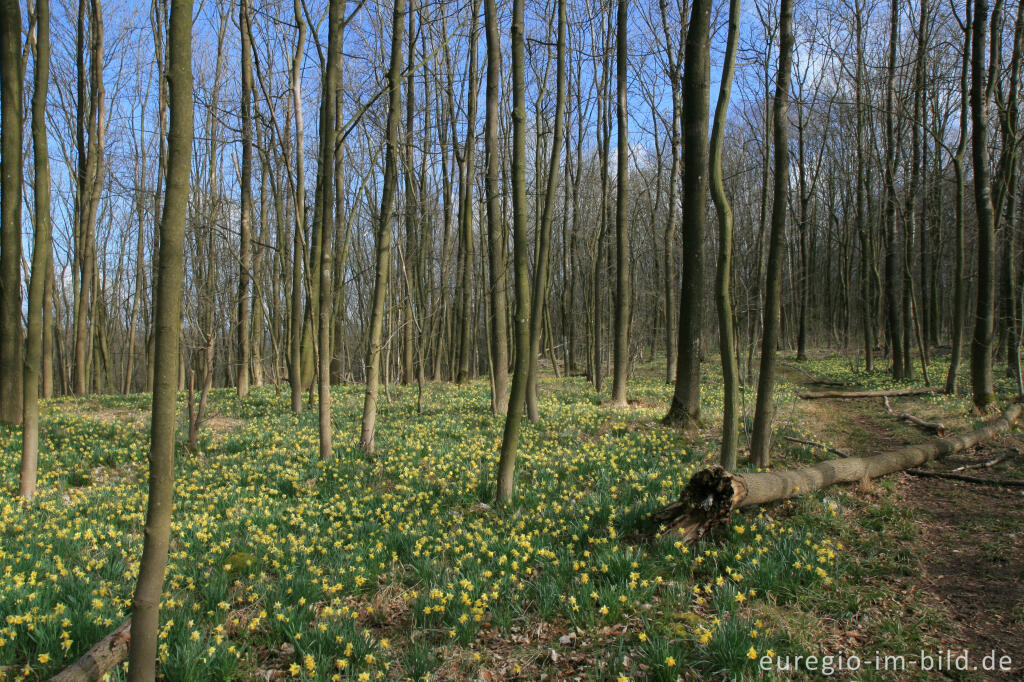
(397, 567)
(963, 552)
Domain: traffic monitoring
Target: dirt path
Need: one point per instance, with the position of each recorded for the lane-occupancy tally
(970, 538)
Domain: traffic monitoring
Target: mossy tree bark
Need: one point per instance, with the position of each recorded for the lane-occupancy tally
(146, 601)
(726, 345)
(764, 411)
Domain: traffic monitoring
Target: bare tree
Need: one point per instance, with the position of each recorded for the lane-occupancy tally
(760, 441)
(145, 615)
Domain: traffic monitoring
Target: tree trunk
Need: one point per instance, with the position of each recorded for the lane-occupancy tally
(765, 410)
(42, 252)
(685, 408)
(146, 601)
(245, 217)
(496, 238)
(10, 213)
(325, 224)
(622, 266)
(295, 322)
(867, 322)
(892, 309)
(383, 250)
(723, 300)
(517, 397)
(467, 178)
(959, 285)
(984, 321)
(543, 257)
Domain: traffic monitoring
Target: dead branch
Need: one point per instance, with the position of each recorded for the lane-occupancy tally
(712, 494)
(827, 448)
(105, 655)
(998, 482)
(937, 427)
(984, 465)
(812, 395)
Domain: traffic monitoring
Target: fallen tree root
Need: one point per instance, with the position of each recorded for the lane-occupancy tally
(812, 395)
(937, 427)
(104, 656)
(826, 448)
(712, 494)
(998, 482)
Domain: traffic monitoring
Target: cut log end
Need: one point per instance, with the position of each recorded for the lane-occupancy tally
(708, 498)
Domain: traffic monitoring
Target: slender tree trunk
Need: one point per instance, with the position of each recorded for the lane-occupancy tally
(90, 178)
(892, 308)
(730, 373)
(245, 217)
(48, 335)
(41, 254)
(959, 286)
(542, 266)
(669, 239)
(295, 323)
(383, 251)
(169, 285)
(325, 224)
(764, 411)
(984, 321)
(685, 409)
(863, 227)
(517, 397)
(496, 248)
(622, 266)
(10, 213)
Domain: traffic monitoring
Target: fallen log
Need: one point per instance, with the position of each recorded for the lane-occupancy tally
(812, 395)
(104, 656)
(937, 427)
(712, 494)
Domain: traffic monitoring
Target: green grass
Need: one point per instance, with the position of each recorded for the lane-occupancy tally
(397, 567)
